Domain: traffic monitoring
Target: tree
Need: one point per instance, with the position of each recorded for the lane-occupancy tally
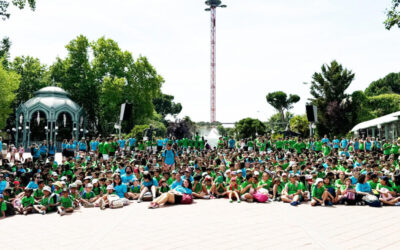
(281, 102)
(300, 124)
(5, 46)
(334, 105)
(249, 127)
(100, 77)
(387, 85)
(33, 76)
(164, 105)
(393, 15)
(275, 122)
(4, 4)
(184, 128)
(9, 82)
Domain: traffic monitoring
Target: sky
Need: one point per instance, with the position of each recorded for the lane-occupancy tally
(262, 45)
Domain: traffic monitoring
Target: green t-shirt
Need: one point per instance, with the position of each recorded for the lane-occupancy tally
(291, 187)
(279, 144)
(395, 149)
(317, 192)
(3, 206)
(38, 194)
(66, 202)
(318, 146)
(379, 186)
(326, 150)
(268, 183)
(27, 201)
(46, 201)
(373, 184)
(387, 147)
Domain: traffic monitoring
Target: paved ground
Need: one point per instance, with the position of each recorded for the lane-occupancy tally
(214, 224)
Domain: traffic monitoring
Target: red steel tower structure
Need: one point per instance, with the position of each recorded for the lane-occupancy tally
(213, 5)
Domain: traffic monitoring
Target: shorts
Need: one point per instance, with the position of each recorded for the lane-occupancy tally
(242, 197)
(178, 198)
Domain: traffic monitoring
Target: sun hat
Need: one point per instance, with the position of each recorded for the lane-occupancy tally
(58, 184)
(318, 180)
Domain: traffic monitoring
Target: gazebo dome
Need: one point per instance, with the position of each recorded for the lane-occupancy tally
(52, 98)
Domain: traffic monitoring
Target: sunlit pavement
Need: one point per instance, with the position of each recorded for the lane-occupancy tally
(207, 224)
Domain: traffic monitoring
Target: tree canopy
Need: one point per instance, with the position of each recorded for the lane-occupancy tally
(281, 102)
(328, 89)
(386, 85)
(100, 76)
(5, 4)
(393, 15)
(249, 127)
(9, 82)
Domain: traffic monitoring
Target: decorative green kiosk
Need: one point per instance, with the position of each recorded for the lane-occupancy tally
(48, 115)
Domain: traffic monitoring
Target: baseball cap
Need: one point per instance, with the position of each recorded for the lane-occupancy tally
(95, 181)
(16, 182)
(64, 178)
(78, 182)
(110, 187)
(73, 185)
(89, 185)
(47, 188)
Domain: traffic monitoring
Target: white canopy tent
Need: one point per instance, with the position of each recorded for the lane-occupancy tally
(387, 126)
(377, 121)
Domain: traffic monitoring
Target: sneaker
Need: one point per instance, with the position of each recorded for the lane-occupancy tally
(230, 200)
(329, 203)
(43, 212)
(62, 213)
(139, 200)
(346, 203)
(25, 212)
(89, 205)
(238, 201)
(206, 197)
(293, 203)
(397, 203)
(102, 204)
(275, 199)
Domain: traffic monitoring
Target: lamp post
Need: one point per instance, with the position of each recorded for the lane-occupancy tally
(213, 5)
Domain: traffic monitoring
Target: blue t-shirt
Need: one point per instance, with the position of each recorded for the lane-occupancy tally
(368, 145)
(231, 143)
(366, 187)
(32, 185)
(3, 185)
(82, 146)
(183, 190)
(52, 150)
(325, 140)
(1, 146)
(150, 183)
(36, 153)
(94, 145)
(120, 190)
(127, 178)
(169, 157)
(176, 184)
(43, 149)
(190, 178)
(343, 143)
(132, 142)
(353, 180)
(335, 143)
(160, 142)
(121, 143)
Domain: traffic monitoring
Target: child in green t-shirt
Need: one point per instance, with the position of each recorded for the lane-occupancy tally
(65, 203)
(47, 202)
(319, 194)
(27, 202)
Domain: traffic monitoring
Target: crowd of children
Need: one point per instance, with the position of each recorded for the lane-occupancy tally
(111, 173)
